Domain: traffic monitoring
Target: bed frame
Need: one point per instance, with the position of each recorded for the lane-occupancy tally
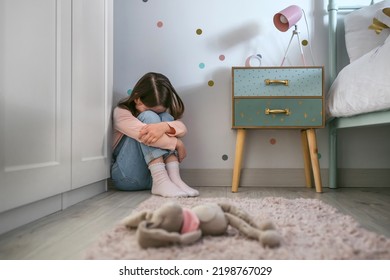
(368, 119)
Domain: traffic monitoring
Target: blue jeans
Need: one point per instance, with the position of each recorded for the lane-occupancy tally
(129, 168)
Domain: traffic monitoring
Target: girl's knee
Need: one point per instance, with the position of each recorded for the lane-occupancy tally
(166, 117)
(149, 117)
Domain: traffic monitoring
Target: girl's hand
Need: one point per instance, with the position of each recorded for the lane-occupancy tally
(150, 133)
(181, 150)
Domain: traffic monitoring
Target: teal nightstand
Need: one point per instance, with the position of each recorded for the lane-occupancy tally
(279, 98)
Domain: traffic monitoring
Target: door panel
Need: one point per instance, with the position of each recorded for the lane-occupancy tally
(35, 95)
(91, 91)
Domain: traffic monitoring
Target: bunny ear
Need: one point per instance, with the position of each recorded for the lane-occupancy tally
(149, 215)
(153, 221)
(155, 237)
(156, 222)
(133, 220)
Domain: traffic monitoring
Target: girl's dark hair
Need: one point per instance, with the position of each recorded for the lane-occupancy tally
(154, 89)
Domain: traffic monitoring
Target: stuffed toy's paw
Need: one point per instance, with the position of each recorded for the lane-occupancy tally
(270, 238)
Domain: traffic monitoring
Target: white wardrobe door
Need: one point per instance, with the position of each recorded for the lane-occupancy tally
(35, 96)
(91, 90)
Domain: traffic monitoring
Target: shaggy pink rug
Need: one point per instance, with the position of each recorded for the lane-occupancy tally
(310, 229)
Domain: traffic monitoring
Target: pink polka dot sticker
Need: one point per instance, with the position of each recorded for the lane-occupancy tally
(272, 141)
(160, 24)
(221, 57)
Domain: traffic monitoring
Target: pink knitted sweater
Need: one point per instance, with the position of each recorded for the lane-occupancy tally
(124, 123)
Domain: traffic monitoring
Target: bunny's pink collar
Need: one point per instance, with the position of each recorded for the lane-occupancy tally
(190, 221)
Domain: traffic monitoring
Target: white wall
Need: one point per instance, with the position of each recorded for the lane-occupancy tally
(235, 29)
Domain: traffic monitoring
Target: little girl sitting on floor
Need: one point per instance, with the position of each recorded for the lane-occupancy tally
(147, 147)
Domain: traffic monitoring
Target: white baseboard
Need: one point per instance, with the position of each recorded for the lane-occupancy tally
(366, 178)
(249, 177)
(17, 217)
(285, 177)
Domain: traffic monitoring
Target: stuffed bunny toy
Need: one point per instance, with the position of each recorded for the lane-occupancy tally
(171, 224)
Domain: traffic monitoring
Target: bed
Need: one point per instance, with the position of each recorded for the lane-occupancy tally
(359, 94)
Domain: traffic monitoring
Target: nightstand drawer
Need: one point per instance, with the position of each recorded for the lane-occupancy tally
(277, 81)
(277, 97)
(277, 113)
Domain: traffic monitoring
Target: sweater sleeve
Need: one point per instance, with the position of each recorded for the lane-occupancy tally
(179, 127)
(124, 123)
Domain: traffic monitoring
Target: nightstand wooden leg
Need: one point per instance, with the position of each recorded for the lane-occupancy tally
(306, 159)
(312, 140)
(238, 158)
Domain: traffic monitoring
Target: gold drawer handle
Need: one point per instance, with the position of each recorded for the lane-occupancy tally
(269, 82)
(277, 111)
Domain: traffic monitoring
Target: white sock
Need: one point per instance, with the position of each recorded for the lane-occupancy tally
(162, 185)
(174, 175)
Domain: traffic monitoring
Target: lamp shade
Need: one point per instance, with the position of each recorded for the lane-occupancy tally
(287, 18)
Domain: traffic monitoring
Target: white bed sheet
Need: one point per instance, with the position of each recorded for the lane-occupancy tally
(363, 86)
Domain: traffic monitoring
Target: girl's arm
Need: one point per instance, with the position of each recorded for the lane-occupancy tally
(126, 123)
(150, 133)
(178, 128)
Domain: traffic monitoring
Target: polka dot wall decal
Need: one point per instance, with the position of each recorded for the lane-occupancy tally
(272, 141)
(211, 83)
(145, 1)
(199, 31)
(319, 155)
(225, 157)
(221, 57)
(129, 91)
(160, 24)
(202, 65)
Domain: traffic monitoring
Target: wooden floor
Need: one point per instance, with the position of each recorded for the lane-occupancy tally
(66, 234)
